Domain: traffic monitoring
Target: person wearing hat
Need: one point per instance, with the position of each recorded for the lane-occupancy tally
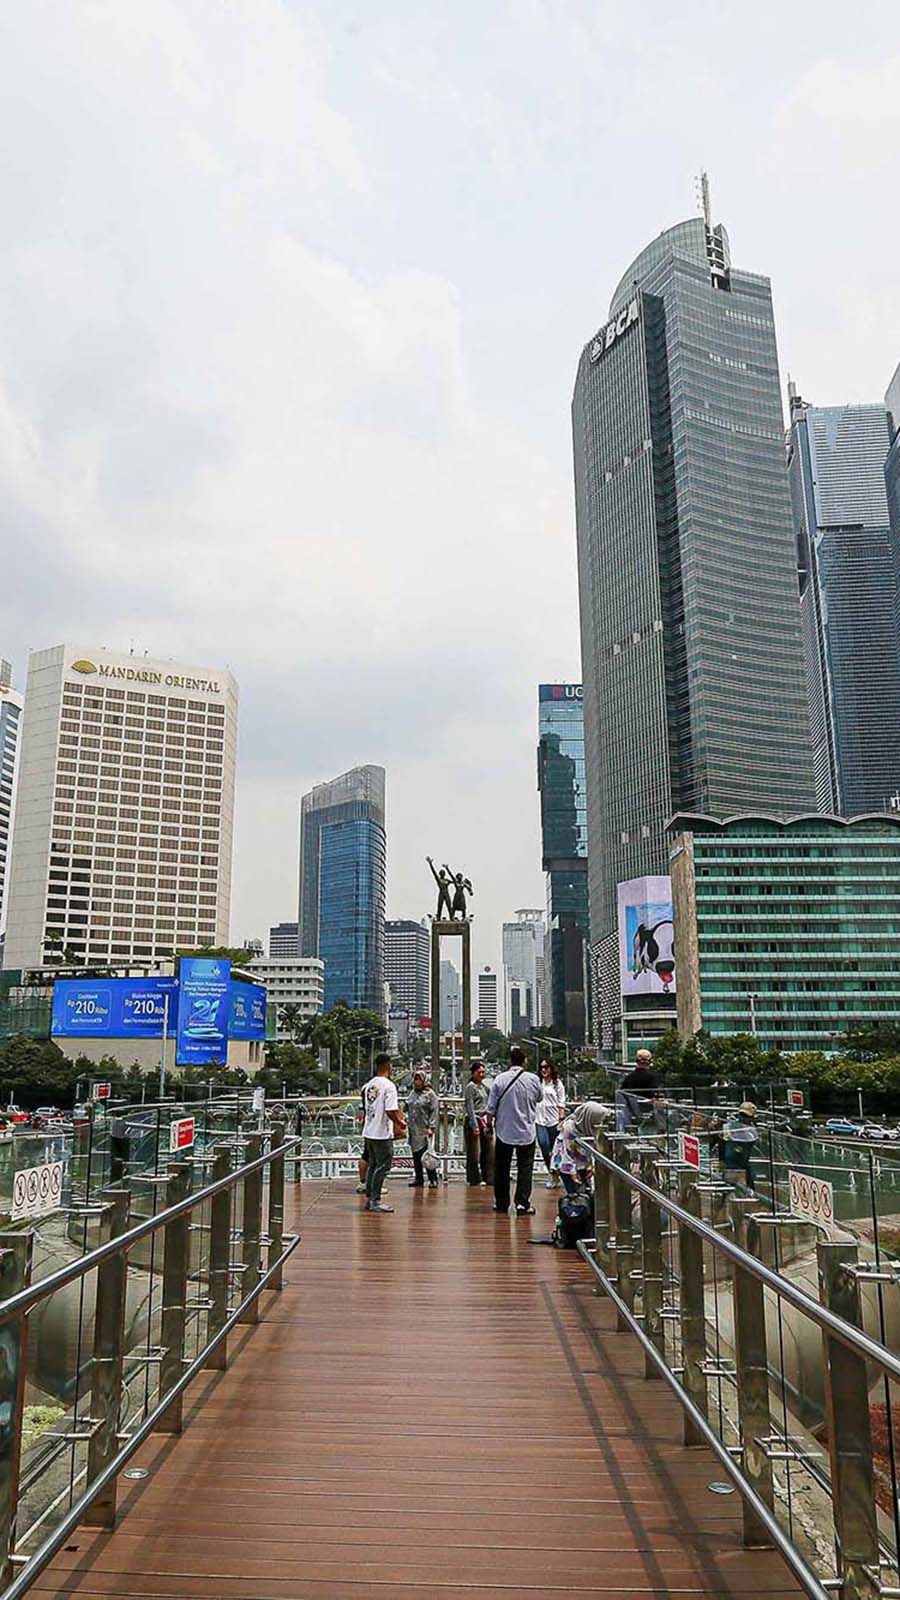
(637, 1089)
(421, 1115)
(739, 1135)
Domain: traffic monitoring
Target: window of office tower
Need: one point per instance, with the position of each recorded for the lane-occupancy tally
(136, 822)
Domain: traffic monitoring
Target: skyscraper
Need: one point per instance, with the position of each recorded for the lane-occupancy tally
(892, 476)
(561, 782)
(284, 941)
(487, 997)
(123, 832)
(523, 946)
(343, 871)
(694, 688)
(10, 730)
(450, 997)
(848, 601)
(406, 965)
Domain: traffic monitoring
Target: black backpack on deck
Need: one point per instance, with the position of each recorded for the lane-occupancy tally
(574, 1220)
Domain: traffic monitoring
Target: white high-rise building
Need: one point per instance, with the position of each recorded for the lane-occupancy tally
(487, 997)
(10, 733)
(406, 965)
(291, 981)
(523, 952)
(123, 833)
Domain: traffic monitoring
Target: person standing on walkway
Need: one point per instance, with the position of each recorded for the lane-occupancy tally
(384, 1122)
(549, 1116)
(479, 1143)
(636, 1092)
(514, 1098)
(421, 1115)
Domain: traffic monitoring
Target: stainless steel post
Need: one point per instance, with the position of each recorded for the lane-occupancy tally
(752, 1370)
(109, 1352)
(276, 1203)
(219, 1258)
(849, 1427)
(692, 1308)
(16, 1251)
(623, 1240)
(651, 1266)
(602, 1223)
(252, 1229)
(176, 1237)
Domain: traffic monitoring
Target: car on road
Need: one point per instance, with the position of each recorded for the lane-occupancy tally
(876, 1130)
(16, 1116)
(843, 1128)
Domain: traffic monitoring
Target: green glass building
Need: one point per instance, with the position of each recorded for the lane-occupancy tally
(786, 929)
(693, 674)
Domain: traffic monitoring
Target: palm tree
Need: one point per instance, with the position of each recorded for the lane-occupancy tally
(291, 1017)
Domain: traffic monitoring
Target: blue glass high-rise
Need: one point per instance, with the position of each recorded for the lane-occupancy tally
(848, 602)
(343, 873)
(561, 781)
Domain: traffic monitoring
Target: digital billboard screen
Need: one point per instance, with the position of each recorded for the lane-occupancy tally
(204, 1000)
(247, 1012)
(646, 936)
(115, 1008)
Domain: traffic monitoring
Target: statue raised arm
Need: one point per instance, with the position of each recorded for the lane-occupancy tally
(443, 881)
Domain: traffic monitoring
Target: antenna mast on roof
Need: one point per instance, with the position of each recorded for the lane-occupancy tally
(705, 200)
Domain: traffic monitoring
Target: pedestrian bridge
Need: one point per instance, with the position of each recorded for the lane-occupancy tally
(336, 1404)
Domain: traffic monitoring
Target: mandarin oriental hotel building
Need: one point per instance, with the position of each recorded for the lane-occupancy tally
(123, 831)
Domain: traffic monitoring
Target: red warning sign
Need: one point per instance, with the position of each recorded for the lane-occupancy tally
(689, 1150)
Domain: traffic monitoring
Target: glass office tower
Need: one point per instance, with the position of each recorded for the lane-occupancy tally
(848, 602)
(694, 687)
(343, 873)
(561, 783)
(892, 478)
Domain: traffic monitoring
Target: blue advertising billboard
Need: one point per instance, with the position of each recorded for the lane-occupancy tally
(247, 1014)
(204, 997)
(115, 1008)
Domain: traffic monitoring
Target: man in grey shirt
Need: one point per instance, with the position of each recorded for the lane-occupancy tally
(514, 1098)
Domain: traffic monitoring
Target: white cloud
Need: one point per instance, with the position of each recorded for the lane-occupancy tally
(221, 437)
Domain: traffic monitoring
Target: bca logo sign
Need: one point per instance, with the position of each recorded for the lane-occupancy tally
(614, 330)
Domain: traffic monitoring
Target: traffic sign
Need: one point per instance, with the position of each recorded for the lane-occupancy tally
(795, 1098)
(811, 1198)
(37, 1190)
(181, 1135)
(101, 1091)
(689, 1150)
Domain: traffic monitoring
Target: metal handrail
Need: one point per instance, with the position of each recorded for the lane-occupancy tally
(109, 1448)
(622, 1259)
(17, 1304)
(855, 1338)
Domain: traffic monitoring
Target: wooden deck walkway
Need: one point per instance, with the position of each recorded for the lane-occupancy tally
(432, 1407)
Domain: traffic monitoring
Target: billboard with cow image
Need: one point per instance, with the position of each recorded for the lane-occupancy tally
(646, 937)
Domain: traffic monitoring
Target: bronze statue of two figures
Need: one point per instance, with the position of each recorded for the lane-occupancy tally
(452, 889)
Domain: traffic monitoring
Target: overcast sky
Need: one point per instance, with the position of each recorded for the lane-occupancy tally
(291, 300)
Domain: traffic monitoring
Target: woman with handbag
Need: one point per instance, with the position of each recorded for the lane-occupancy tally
(479, 1143)
(421, 1116)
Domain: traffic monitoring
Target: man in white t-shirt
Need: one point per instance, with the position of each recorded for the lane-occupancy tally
(384, 1120)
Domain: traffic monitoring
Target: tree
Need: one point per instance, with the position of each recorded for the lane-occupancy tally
(291, 1016)
(869, 1041)
(668, 1054)
(224, 952)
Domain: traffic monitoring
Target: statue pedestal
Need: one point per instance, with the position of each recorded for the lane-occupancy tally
(447, 929)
